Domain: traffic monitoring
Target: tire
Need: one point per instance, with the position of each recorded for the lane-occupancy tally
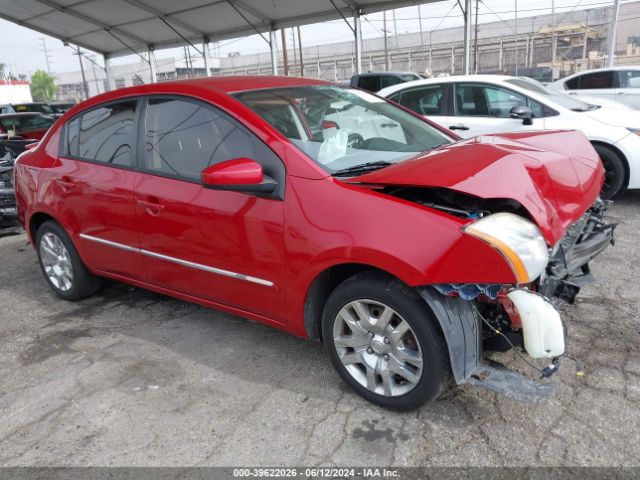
(376, 352)
(614, 171)
(61, 265)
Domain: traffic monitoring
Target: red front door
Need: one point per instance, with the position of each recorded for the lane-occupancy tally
(223, 246)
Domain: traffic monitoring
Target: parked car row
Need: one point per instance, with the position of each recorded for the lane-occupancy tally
(330, 213)
(481, 104)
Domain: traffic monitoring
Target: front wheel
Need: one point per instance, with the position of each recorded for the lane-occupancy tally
(614, 171)
(384, 342)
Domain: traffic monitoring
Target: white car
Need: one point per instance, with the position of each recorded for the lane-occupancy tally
(474, 105)
(621, 84)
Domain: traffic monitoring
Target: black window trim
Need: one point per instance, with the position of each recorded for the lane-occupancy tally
(141, 132)
(65, 131)
(546, 108)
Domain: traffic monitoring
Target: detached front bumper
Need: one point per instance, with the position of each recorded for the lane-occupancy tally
(568, 268)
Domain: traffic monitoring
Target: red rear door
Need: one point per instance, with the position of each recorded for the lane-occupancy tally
(223, 246)
(93, 180)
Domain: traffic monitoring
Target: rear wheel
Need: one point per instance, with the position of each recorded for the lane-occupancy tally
(384, 342)
(614, 171)
(61, 265)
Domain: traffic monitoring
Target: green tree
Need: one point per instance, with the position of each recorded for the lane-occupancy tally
(42, 86)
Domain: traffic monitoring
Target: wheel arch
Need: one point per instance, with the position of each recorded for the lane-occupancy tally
(627, 169)
(35, 221)
(321, 287)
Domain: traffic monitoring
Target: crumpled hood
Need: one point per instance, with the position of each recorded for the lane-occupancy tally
(555, 175)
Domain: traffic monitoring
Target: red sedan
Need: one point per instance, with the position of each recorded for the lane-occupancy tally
(324, 211)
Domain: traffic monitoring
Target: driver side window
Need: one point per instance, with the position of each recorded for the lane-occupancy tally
(183, 137)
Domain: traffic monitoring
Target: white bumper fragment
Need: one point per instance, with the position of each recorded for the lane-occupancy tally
(541, 324)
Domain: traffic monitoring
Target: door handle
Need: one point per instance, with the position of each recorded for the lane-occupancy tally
(458, 127)
(388, 125)
(152, 208)
(65, 184)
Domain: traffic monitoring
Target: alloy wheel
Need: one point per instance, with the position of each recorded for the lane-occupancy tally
(56, 262)
(378, 347)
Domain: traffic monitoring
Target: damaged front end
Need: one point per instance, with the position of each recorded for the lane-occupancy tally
(568, 268)
(479, 318)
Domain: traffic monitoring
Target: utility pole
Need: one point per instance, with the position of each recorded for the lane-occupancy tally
(284, 52)
(95, 77)
(516, 30)
(295, 54)
(300, 51)
(424, 53)
(84, 80)
(475, 42)
(386, 47)
(395, 27)
(612, 32)
(46, 54)
(186, 60)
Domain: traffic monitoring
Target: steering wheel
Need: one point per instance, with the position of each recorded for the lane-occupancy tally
(355, 140)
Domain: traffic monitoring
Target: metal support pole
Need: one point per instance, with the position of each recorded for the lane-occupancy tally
(612, 33)
(467, 36)
(205, 56)
(152, 65)
(357, 32)
(273, 47)
(107, 72)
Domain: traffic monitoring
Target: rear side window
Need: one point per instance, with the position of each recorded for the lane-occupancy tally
(182, 138)
(596, 80)
(370, 82)
(388, 80)
(470, 100)
(428, 100)
(104, 134)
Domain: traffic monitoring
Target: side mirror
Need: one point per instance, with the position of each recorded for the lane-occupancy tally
(522, 112)
(240, 175)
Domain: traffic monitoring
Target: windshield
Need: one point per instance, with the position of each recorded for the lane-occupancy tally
(558, 97)
(340, 128)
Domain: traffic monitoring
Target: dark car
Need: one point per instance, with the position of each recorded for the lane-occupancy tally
(33, 107)
(25, 125)
(8, 214)
(61, 107)
(374, 81)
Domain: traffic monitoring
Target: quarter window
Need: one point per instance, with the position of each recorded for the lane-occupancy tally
(182, 138)
(104, 134)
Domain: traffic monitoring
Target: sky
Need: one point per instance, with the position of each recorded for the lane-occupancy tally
(22, 49)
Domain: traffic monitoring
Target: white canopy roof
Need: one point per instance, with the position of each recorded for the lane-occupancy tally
(116, 27)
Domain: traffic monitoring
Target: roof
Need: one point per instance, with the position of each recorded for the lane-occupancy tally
(452, 78)
(115, 27)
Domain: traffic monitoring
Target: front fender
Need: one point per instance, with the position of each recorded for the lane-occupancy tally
(329, 223)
